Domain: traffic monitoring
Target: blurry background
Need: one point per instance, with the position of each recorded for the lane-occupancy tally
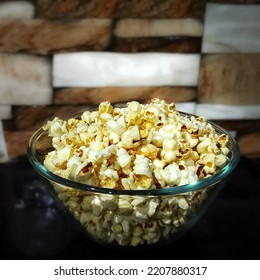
(55, 60)
(217, 76)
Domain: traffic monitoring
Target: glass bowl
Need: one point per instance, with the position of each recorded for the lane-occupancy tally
(131, 218)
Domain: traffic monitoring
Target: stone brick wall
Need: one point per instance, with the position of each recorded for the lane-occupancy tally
(61, 57)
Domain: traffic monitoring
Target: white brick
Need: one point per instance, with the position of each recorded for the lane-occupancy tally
(186, 107)
(231, 29)
(5, 112)
(16, 10)
(228, 112)
(101, 69)
(25, 80)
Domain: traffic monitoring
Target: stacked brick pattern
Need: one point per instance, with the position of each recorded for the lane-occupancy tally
(33, 34)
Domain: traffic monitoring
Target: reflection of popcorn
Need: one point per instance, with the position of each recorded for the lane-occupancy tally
(137, 147)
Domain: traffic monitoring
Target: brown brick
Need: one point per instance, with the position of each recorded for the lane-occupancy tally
(113, 8)
(174, 45)
(16, 143)
(152, 8)
(32, 118)
(122, 94)
(249, 145)
(44, 36)
(127, 8)
(75, 8)
(230, 79)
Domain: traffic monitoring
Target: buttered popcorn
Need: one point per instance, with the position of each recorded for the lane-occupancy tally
(138, 147)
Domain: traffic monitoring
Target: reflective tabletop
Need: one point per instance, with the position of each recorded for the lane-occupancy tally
(33, 228)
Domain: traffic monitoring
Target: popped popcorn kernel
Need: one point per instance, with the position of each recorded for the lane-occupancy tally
(138, 147)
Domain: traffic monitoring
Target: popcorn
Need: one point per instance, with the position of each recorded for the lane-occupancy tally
(124, 207)
(221, 160)
(142, 166)
(150, 151)
(144, 208)
(131, 137)
(96, 206)
(139, 147)
(115, 127)
(109, 202)
(183, 204)
(172, 174)
(123, 158)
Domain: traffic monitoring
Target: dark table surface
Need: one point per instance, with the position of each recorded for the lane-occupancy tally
(31, 227)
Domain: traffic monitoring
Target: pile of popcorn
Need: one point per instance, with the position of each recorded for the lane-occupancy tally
(138, 147)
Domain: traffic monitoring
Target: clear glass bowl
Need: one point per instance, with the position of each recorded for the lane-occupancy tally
(131, 218)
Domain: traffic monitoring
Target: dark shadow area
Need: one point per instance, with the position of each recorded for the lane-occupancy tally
(33, 228)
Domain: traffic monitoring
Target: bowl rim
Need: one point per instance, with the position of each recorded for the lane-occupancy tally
(234, 156)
